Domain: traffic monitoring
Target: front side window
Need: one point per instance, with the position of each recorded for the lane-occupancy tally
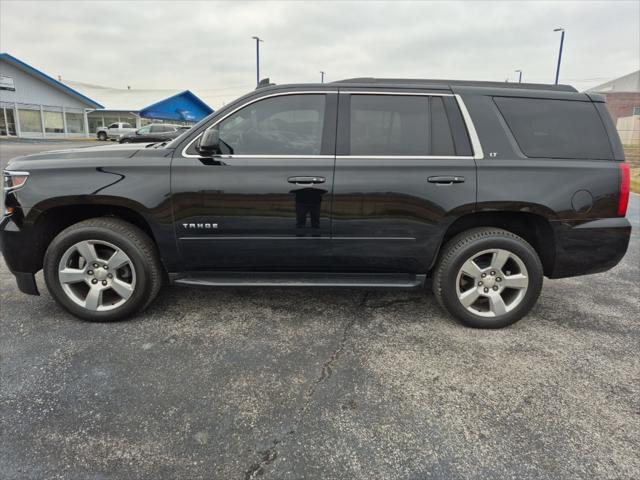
(144, 130)
(546, 128)
(399, 125)
(284, 125)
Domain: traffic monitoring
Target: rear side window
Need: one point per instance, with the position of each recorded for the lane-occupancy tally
(556, 128)
(441, 139)
(399, 125)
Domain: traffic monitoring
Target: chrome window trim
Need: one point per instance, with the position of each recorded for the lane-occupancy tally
(476, 146)
(404, 157)
(278, 94)
(406, 94)
(284, 157)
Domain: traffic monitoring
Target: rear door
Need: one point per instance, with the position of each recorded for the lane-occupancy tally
(264, 203)
(405, 170)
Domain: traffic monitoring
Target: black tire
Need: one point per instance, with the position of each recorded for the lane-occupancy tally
(102, 136)
(127, 237)
(462, 248)
(124, 140)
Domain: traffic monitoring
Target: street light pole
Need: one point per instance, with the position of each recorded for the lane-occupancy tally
(519, 72)
(560, 52)
(258, 40)
(321, 76)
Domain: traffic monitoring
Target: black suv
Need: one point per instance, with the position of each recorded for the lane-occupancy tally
(480, 188)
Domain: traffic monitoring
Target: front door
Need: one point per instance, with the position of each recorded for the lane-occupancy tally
(263, 203)
(404, 170)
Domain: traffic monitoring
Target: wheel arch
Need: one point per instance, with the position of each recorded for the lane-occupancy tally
(50, 222)
(532, 227)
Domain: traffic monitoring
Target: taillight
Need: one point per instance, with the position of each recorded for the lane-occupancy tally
(625, 186)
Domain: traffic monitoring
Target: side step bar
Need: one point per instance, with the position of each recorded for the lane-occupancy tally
(262, 279)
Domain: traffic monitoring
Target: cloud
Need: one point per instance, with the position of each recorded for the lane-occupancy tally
(207, 46)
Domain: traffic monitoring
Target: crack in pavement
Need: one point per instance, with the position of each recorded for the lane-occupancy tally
(389, 303)
(269, 455)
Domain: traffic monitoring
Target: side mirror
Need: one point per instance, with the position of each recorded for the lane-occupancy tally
(209, 143)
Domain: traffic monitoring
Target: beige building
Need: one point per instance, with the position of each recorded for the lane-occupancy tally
(623, 102)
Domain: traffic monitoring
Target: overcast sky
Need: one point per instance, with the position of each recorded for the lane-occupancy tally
(207, 46)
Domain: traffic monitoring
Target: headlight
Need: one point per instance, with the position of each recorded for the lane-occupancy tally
(14, 180)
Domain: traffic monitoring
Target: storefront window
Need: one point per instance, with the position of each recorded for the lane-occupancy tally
(53, 122)
(30, 121)
(95, 121)
(75, 122)
(108, 120)
(11, 121)
(130, 119)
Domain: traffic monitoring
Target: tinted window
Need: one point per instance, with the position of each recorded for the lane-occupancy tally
(389, 125)
(286, 125)
(399, 125)
(441, 138)
(555, 128)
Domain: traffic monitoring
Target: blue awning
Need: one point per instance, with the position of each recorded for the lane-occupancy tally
(184, 106)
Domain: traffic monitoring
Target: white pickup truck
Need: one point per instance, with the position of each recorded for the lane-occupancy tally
(114, 131)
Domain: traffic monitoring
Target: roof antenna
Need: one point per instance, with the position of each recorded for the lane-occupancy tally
(264, 83)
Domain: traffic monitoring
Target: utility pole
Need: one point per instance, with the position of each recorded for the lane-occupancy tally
(321, 76)
(519, 72)
(258, 40)
(560, 52)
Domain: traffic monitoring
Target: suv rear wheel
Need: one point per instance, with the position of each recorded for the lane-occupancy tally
(488, 278)
(103, 269)
(102, 136)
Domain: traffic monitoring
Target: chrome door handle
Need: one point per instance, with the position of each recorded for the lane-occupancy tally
(445, 179)
(306, 180)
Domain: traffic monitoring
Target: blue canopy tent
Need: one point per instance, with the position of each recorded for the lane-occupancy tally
(184, 106)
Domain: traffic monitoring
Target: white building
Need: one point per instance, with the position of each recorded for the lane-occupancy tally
(35, 105)
(32, 104)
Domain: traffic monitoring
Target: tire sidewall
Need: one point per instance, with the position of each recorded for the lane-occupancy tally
(518, 247)
(67, 239)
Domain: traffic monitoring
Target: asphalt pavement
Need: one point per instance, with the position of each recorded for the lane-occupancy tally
(306, 383)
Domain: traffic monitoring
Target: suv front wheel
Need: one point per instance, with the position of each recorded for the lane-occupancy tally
(488, 278)
(103, 269)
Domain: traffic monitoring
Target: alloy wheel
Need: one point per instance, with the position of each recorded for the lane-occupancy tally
(492, 282)
(97, 275)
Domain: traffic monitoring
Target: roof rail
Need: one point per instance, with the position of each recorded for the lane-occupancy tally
(449, 83)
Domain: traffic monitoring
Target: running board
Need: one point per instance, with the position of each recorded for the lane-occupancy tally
(261, 279)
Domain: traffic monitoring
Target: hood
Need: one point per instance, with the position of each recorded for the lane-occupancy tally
(81, 155)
